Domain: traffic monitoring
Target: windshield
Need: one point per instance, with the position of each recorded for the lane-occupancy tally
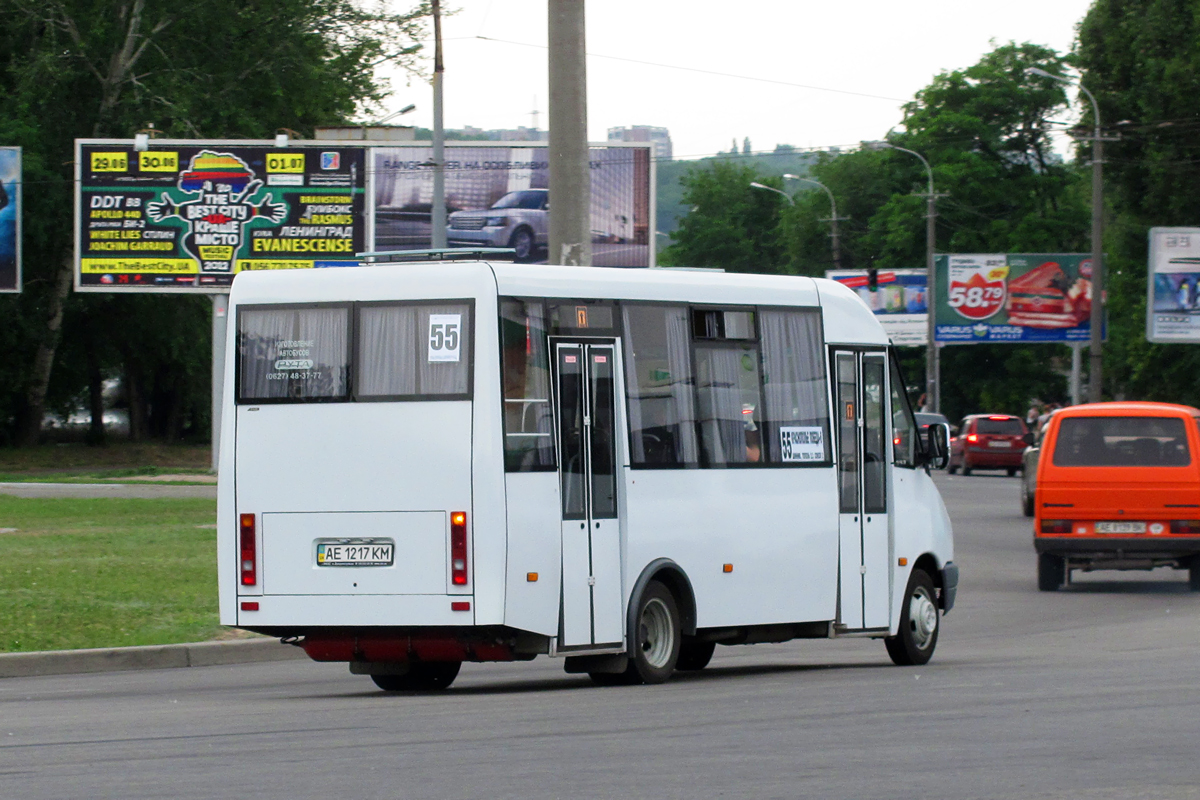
(528, 199)
(1122, 442)
(1010, 427)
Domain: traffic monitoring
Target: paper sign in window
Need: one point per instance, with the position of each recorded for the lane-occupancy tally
(445, 337)
(802, 444)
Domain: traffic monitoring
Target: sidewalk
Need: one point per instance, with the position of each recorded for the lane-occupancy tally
(165, 656)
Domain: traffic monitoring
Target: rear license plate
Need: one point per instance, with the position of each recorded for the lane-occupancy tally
(994, 443)
(356, 553)
(1120, 527)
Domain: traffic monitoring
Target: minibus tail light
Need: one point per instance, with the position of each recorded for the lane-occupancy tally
(1056, 526)
(249, 549)
(1185, 526)
(458, 548)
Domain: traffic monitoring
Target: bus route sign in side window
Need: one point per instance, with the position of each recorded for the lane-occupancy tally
(413, 351)
(293, 353)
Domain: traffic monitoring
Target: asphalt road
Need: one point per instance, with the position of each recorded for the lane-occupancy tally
(94, 490)
(1092, 692)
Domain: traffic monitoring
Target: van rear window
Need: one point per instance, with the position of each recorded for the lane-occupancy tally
(1006, 427)
(1121, 442)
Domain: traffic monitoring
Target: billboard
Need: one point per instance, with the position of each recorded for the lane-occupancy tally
(899, 301)
(10, 219)
(1173, 286)
(1014, 297)
(187, 215)
(497, 195)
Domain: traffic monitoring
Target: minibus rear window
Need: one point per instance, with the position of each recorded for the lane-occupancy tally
(413, 351)
(1121, 442)
(293, 353)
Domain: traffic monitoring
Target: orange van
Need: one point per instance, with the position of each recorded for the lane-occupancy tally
(1118, 487)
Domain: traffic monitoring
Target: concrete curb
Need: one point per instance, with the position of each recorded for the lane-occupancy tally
(165, 656)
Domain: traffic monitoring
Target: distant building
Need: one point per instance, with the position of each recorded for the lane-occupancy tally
(661, 138)
(520, 134)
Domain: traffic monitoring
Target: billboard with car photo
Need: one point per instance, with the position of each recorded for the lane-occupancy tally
(1173, 286)
(497, 195)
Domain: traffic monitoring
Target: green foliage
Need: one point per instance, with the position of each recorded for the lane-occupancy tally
(730, 225)
(218, 69)
(105, 573)
(1141, 58)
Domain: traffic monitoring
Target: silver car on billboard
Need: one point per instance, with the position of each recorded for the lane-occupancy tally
(519, 220)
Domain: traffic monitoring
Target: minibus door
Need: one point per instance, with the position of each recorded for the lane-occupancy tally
(591, 555)
(862, 490)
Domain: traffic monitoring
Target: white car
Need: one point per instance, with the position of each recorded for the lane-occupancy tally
(519, 220)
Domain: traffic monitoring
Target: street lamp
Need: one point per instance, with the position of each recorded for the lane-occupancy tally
(784, 195)
(932, 383)
(833, 217)
(1097, 320)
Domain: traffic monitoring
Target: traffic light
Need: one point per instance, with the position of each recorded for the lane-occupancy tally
(872, 278)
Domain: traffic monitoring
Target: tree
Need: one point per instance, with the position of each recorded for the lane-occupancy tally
(731, 225)
(1141, 59)
(222, 68)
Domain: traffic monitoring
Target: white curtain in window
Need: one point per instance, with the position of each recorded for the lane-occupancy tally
(722, 429)
(260, 333)
(444, 377)
(661, 417)
(387, 349)
(794, 372)
(323, 332)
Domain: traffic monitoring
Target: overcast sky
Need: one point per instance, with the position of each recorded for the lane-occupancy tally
(885, 48)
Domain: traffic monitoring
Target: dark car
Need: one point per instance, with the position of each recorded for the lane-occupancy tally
(925, 419)
(988, 441)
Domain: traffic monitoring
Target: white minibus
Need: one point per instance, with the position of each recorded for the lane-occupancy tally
(429, 463)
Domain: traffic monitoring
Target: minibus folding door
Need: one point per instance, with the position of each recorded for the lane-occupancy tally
(862, 489)
(591, 556)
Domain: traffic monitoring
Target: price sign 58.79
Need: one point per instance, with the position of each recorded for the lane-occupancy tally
(977, 291)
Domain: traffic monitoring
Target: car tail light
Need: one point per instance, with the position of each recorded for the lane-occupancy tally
(972, 437)
(249, 548)
(1056, 526)
(458, 548)
(1000, 418)
(1185, 526)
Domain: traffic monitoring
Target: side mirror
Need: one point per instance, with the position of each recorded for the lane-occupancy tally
(1028, 439)
(937, 445)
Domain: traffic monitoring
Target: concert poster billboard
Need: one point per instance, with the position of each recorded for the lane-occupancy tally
(1013, 297)
(899, 301)
(497, 195)
(1173, 286)
(10, 219)
(188, 215)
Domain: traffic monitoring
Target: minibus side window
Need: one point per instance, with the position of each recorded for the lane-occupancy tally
(293, 354)
(904, 426)
(525, 371)
(659, 386)
(728, 405)
(796, 422)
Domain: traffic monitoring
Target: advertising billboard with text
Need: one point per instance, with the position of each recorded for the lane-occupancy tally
(899, 301)
(1013, 297)
(10, 219)
(497, 195)
(189, 215)
(1173, 286)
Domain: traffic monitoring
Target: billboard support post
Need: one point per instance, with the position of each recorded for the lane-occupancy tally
(1076, 372)
(437, 212)
(220, 328)
(570, 182)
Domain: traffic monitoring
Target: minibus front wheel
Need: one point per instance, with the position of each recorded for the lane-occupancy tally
(656, 638)
(920, 623)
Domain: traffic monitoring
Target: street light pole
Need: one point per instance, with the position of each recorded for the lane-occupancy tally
(932, 365)
(1096, 338)
(437, 212)
(833, 218)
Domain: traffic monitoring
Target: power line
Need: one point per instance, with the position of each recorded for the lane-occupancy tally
(709, 72)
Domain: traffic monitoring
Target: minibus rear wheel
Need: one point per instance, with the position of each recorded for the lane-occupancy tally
(421, 677)
(920, 623)
(656, 640)
(1194, 574)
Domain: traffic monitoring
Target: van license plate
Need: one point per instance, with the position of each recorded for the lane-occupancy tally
(365, 553)
(1120, 527)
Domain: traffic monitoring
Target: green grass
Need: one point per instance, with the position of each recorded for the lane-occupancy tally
(106, 573)
(51, 458)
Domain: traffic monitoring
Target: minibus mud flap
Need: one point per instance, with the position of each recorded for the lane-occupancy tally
(949, 586)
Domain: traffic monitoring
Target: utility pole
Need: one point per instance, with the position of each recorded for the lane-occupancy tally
(437, 211)
(832, 219)
(570, 181)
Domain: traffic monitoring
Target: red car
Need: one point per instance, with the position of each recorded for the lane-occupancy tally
(988, 441)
